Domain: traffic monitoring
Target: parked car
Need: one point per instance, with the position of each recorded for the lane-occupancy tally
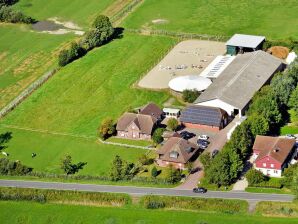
(203, 142)
(201, 190)
(214, 153)
(187, 135)
(290, 136)
(194, 170)
(203, 137)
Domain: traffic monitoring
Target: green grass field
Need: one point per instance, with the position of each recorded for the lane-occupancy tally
(51, 148)
(292, 127)
(77, 11)
(27, 212)
(98, 85)
(25, 56)
(273, 19)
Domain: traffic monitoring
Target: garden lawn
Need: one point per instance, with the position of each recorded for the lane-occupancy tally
(292, 127)
(24, 57)
(77, 11)
(94, 87)
(30, 212)
(273, 19)
(51, 148)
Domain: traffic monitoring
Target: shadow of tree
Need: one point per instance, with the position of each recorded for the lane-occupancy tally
(5, 138)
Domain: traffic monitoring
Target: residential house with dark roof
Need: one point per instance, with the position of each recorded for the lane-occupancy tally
(205, 118)
(136, 126)
(177, 152)
(152, 110)
(272, 154)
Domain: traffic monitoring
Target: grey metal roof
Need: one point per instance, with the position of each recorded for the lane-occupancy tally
(194, 114)
(243, 40)
(241, 79)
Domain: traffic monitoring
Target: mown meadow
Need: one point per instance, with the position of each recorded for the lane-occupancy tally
(274, 19)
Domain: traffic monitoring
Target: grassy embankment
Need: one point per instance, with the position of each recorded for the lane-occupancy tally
(273, 19)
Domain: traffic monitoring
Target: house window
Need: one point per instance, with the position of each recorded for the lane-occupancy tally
(174, 154)
(275, 171)
(272, 165)
(264, 164)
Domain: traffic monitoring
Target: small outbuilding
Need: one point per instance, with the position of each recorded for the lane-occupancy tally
(205, 118)
(241, 43)
(171, 112)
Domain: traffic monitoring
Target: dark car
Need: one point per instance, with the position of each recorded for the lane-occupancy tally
(187, 135)
(199, 190)
(202, 142)
(214, 153)
(194, 170)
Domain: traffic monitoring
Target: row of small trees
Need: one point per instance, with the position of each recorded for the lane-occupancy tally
(265, 115)
(101, 32)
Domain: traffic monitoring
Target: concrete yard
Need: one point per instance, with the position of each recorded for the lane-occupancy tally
(189, 57)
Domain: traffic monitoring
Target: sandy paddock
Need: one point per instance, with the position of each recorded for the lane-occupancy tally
(189, 57)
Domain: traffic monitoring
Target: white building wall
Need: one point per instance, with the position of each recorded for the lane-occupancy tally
(218, 103)
(270, 172)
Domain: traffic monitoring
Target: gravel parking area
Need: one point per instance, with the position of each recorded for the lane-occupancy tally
(189, 57)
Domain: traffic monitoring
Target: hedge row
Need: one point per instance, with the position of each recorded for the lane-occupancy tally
(271, 183)
(42, 196)
(197, 204)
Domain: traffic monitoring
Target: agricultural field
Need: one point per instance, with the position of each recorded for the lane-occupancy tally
(274, 19)
(29, 212)
(28, 57)
(98, 85)
(50, 148)
(76, 11)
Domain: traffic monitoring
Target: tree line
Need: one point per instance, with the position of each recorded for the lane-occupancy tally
(266, 115)
(100, 33)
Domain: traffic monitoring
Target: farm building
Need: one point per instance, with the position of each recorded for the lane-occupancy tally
(136, 126)
(202, 117)
(177, 152)
(272, 154)
(241, 43)
(189, 82)
(234, 88)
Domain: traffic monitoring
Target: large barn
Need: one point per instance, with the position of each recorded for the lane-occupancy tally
(241, 43)
(233, 90)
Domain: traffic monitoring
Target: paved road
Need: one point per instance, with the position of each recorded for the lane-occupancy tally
(144, 190)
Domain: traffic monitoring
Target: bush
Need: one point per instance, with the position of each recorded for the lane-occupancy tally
(106, 128)
(197, 204)
(13, 167)
(145, 160)
(190, 96)
(172, 124)
(10, 15)
(70, 168)
(157, 135)
(270, 183)
(154, 172)
(67, 56)
(42, 196)
(254, 177)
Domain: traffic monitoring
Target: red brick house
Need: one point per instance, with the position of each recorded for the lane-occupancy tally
(177, 152)
(272, 154)
(205, 118)
(136, 126)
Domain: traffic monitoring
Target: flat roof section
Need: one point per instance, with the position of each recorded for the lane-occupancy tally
(243, 40)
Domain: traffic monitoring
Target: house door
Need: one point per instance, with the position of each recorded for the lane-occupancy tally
(135, 134)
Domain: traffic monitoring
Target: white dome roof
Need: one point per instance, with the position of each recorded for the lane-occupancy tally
(189, 82)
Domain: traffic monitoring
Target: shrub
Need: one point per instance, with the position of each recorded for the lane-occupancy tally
(70, 168)
(254, 177)
(190, 96)
(13, 167)
(154, 172)
(67, 56)
(157, 135)
(106, 128)
(145, 160)
(10, 15)
(173, 175)
(172, 124)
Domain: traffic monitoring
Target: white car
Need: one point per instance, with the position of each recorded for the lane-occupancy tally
(289, 136)
(203, 137)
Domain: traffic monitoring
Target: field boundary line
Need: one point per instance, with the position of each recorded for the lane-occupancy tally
(125, 11)
(180, 35)
(27, 92)
(125, 145)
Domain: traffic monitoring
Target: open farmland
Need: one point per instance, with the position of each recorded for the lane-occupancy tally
(29, 212)
(25, 56)
(275, 19)
(77, 11)
(98, 85)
